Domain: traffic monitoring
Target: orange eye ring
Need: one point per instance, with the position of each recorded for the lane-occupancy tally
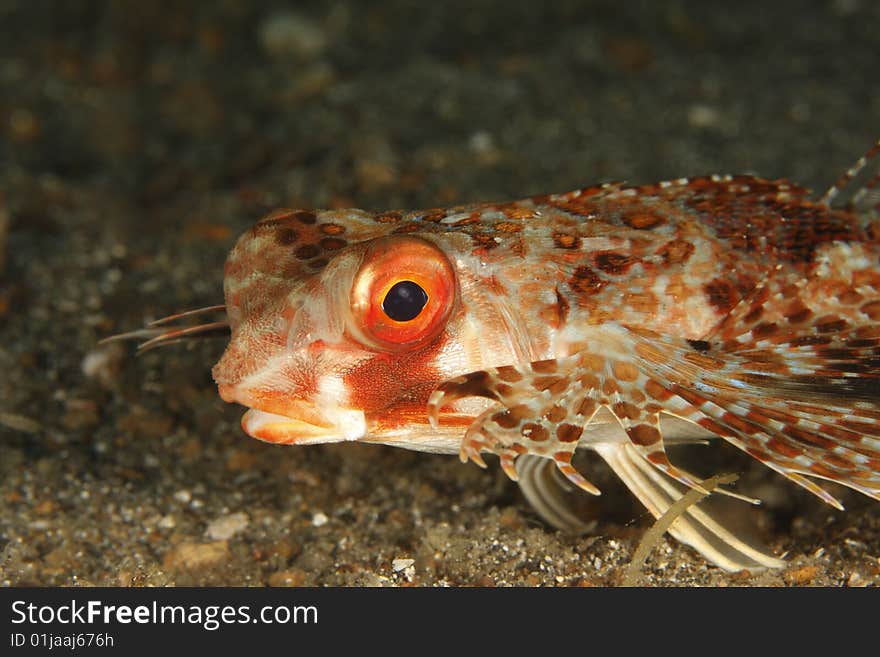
(404, 277)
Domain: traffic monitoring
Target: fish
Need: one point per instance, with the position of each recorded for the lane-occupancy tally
(616, 319)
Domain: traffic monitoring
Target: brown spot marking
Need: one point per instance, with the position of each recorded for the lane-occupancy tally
(690, 396)
(866, 428)
(548, 366)
(332, 229)
(587, 407)
(556, 414)
(754, 314)
(866, 277)
(585, 283)
(625, 371)
(867, 332)
(518, 213)
(388, 218)
(837, 461)
(508, 227)
(783, 448)
(609, 387)
(307, 251)
(759, 454)
(504, 389)
(332, 243)
(613, 263)
(566, 241)
(822, 471)
(568, 433)
(318, 263)
(589, 381)
(473, 218)
(562, 457)
(644, 435)
(721, 294)
(711, 425)
(809, 340)
(830, 324)
(871, 309)
(484, 241)
(554, 384)
(643, 302)
(509, 374)
(643, 219)
(435, 216)
(505, 420)
(803, 436)
(535, 432)
(850, 298)
(305, 217)
(518, 247)
(840, 434)
(658, 458)
(627, 410)
(765, 330)
(790, 291)
(676, 252)
(593, 362)
(285, 236)
(562, 308)
(475, 383)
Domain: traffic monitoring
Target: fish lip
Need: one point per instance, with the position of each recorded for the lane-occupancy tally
(283, 420)
(348, 424)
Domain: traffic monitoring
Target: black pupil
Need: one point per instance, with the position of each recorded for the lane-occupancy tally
(404, 301)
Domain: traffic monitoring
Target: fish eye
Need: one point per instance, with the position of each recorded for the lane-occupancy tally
(402, 294)
(404, 301)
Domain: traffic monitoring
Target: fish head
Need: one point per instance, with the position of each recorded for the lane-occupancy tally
(341, 329)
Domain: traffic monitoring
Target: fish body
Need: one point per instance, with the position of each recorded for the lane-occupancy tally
(614, 318)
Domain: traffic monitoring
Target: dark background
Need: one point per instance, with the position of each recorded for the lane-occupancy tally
(137, 139)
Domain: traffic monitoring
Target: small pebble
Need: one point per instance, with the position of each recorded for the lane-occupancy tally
(196, 556)
(19, 422)
(401, 564)
(320, 519)
(225, 527)
(166, 522)
(800, 576)
(102, 364)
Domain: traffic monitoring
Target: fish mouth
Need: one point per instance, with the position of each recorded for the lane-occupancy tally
(285, 430)
(285, 421)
